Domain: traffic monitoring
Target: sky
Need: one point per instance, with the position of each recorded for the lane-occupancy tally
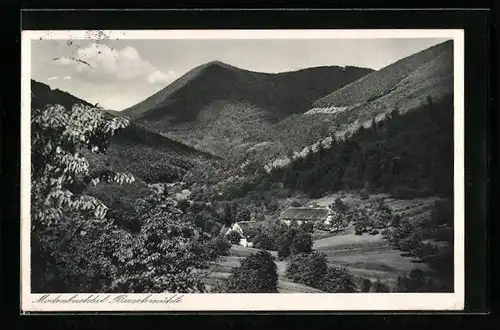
(117, 74)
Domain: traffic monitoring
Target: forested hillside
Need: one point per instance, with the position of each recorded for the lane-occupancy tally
(408, 155)
(227, 111)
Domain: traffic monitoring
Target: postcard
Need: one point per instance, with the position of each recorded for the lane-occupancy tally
(242, 170)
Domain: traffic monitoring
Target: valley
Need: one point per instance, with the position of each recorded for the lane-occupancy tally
(222, 146)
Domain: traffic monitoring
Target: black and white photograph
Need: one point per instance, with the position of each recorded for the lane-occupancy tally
(310, 169)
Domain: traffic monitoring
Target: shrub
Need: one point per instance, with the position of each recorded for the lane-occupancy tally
(301, 243)
(272, 206)
(340, 206)
(285, 242)
(364, 194)
(374, 232)
(219, 287)
(426, 249)
(337, 280)
(308, 269)
(442, 214)
(396, 220)
(243, 215)
(366, 284)
(264, 241)
(256, 274)
(415, 282)
(379, 287)
(218, 246)
(274, 230)
(233, 237)
(183, 205)
(307, 227)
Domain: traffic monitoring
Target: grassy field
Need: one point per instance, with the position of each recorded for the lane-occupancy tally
(367, 256)
(414, 209)
(370, 256)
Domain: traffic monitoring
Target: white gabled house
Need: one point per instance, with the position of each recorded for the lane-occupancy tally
(241, 228)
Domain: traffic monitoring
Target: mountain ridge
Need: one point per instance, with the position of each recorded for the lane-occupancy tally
(134, 148)
(225, 110)
(403, 86)
(243, 79)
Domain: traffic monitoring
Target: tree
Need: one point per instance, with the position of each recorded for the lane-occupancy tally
(379, 287)
(164, 256)
(301, 243)
(256, 274)
(61, 211)
(263, 241)
(338, 280)
(243, 215)
(233, 237)
(270, 233)
(366, 284)
(285, 242)
(340, 206)
(415, 282)
(396, 220)
(308, 269)
(183, 205)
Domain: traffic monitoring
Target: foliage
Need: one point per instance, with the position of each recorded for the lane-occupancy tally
(339, 206)
(217, 246)
(60, 172)
(183, 205)
(207, 221)
(396, 220)
(366, 284)
(264, 241)
(312, 269)
(416, 282)
(379, 287)
(301, 243)
(338, 280)
(243, 215)
(294, 241)
(233, 237)
(442, 213)
(308, 269)
(165, 255)
(256, 274)
(60, 208)
(409, 155)
(82, 263)
(364, 194)
(269, 234)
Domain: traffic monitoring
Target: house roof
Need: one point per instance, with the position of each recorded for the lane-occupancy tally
(246, 225)
(224, 230)
(305, 213)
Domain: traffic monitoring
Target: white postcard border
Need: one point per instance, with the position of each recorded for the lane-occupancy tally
(245, 302)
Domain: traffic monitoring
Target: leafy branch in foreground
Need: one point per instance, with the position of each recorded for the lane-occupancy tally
(68, 225)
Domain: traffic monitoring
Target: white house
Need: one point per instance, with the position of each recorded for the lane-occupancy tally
(242, 228)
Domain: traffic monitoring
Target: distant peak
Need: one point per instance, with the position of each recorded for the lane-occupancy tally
(217, 63)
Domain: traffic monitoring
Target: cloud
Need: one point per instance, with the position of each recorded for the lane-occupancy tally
(67, 78)
(99, 62)
(159, 77)
(52, 78)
